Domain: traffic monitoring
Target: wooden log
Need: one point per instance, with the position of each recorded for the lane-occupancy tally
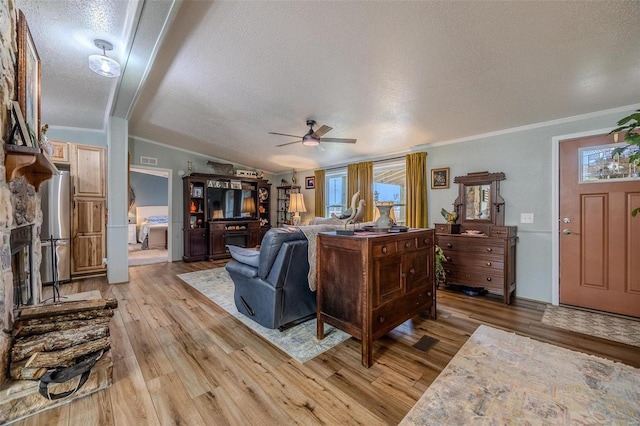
(18, 371)
(39, 311)
(66, 357)
(26, 329)
(76, 316)
(27, 346)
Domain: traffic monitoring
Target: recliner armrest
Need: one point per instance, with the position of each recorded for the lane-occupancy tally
(242, 269)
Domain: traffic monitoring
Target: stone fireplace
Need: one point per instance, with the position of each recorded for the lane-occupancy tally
(20, 215)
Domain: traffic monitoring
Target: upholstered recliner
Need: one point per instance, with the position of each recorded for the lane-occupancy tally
(271, 286)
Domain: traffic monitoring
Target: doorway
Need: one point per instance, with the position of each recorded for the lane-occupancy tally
(597, 238)
(149, 216)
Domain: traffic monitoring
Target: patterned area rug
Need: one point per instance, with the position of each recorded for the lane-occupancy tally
(298, 342)
(608, 327)
(500, 378)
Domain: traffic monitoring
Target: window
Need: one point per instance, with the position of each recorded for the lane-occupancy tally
(390, 184)
(599, 163)
(336, 196)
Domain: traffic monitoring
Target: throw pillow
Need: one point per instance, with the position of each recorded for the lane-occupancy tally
(244, 255)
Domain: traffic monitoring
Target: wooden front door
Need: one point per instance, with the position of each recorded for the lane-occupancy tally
(599, 239)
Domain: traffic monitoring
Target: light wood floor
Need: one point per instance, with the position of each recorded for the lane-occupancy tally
(181, 360)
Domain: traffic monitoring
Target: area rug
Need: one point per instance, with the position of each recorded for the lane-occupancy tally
(500, 378)
(608, 327)
(138, 257)
(298, 342)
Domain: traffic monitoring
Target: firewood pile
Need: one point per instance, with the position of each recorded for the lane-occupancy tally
(58, 335)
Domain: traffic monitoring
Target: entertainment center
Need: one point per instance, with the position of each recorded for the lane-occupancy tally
(221, 210)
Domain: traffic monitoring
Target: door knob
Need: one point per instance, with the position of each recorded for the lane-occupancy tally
(569, 232)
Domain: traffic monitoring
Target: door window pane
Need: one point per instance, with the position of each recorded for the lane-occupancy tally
(599, 163)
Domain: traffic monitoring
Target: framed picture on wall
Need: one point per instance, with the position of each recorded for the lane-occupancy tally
(28, 78)
(440, 178)
(310, 182)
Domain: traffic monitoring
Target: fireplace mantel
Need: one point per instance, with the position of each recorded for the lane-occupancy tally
(28, 162)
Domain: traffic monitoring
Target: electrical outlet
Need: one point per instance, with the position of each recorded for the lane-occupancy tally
(526, 217)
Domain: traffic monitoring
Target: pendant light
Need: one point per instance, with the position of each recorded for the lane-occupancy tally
(102, 64)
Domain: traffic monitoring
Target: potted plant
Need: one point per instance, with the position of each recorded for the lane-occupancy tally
(632, 138)
(441, 274)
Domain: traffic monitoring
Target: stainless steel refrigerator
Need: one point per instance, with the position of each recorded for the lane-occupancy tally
(56, 229)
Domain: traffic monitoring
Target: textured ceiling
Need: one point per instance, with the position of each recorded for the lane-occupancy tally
(394, 75)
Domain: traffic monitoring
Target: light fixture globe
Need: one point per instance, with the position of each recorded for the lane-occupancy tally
(309, 140)
(102, 64)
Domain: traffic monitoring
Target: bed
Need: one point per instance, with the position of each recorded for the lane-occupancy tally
(153, 223)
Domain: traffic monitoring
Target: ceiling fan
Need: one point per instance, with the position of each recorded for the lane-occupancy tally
(314, 137)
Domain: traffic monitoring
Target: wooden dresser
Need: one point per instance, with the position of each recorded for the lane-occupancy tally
(370, 283)
(484, 260)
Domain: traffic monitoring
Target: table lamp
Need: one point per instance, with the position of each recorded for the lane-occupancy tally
(296, 206)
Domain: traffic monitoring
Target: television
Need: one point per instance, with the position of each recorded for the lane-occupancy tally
(231, 203)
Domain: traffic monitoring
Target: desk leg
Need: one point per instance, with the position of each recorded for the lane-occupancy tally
(366, 353)
(319, 328)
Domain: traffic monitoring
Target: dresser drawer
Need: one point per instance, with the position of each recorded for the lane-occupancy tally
(478, 245)
(480, 261)
(490, 280)
(384, 249)
(447, 228)
(389, 314)
(406, 245)
(501, 231)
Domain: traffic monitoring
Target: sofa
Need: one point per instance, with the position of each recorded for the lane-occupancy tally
(271, 284)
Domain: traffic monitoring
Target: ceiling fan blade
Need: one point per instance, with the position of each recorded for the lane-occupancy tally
(338, 140)
(321, 131)
(284, 134)
(290, 143)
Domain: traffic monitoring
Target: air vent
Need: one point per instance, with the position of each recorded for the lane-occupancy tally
(149, 161)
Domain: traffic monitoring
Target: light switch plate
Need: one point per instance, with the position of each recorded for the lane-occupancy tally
(526, 217)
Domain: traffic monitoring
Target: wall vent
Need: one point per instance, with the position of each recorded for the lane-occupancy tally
(149, 161)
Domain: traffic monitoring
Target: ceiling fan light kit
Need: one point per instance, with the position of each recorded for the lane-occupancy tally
(313, 138)
(102, 64)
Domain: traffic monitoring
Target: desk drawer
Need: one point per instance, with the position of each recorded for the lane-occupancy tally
(394, 313)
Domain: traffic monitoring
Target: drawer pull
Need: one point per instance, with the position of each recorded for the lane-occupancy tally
(498, 232)
(407, 244)
(429, 293)
(384, 249)
(381, 319)
(448, 258)
(412, 271)
(426, 241)
(488, 278)
(488, 263)
(489, 249)
(449, 245)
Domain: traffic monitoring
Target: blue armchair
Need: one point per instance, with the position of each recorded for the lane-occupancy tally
(271, 286)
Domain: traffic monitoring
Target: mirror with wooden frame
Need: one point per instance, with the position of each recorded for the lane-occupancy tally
(479, 201)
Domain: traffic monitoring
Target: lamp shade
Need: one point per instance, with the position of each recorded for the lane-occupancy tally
(249, 205)
(296, 203)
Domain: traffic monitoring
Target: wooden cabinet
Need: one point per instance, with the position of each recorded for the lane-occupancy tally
(235, 233)
(264, 210)
(88, 171)
(194, 218)
(60, 153)
(88, 227)
(87, 166)
(282, 204)
(368, 284)
(484, 260)
(221, 210)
